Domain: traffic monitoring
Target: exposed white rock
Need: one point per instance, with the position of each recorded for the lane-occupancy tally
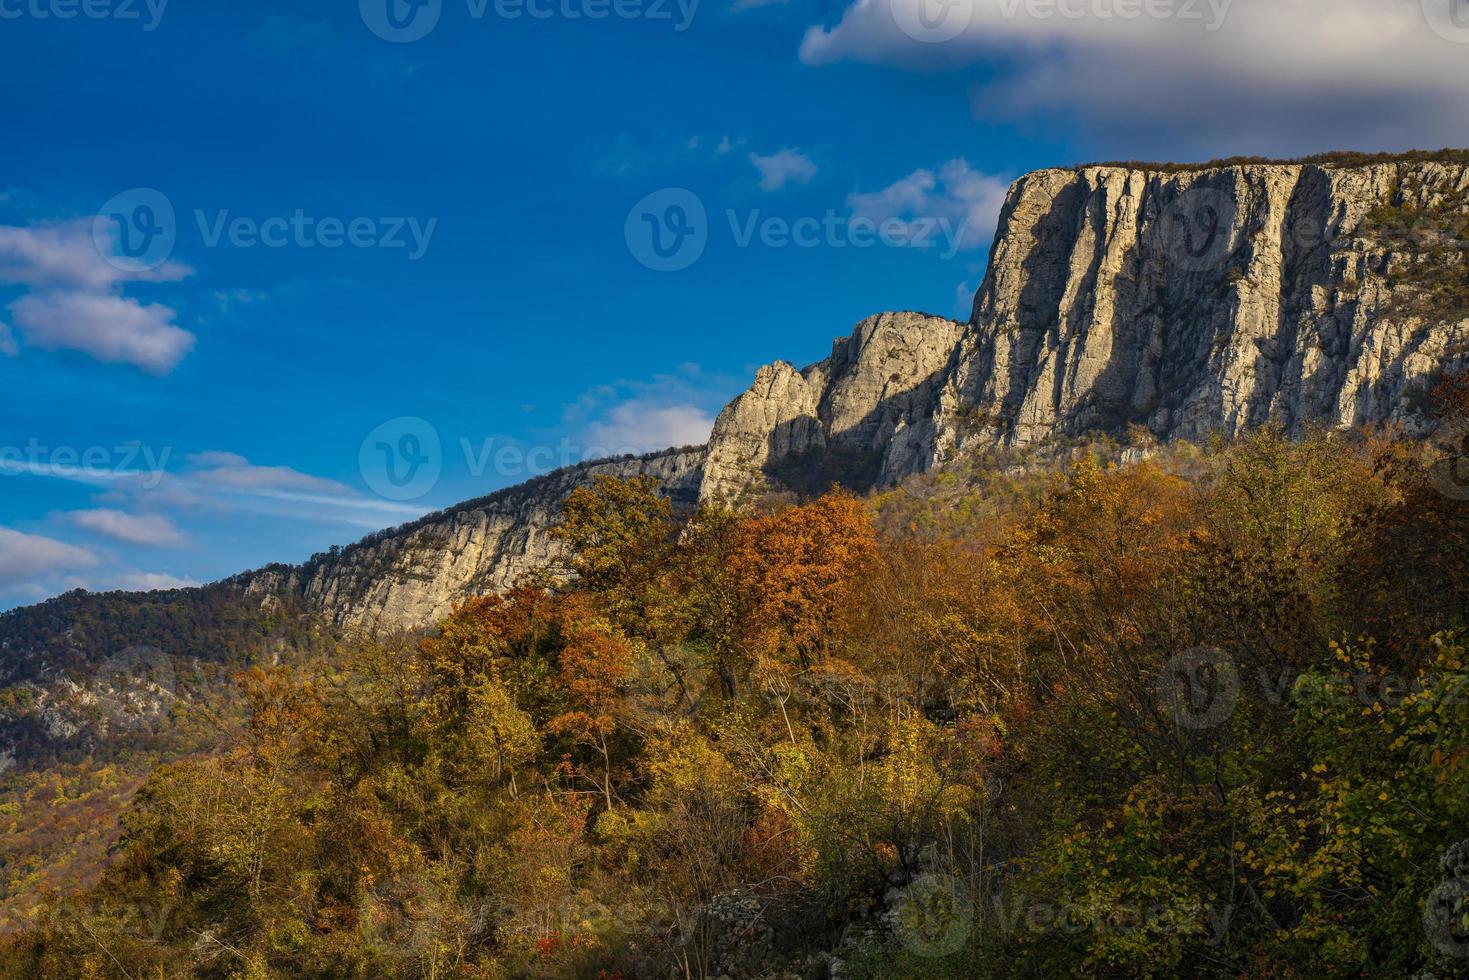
(1188, 302)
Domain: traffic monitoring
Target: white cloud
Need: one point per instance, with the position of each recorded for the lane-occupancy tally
(221, 481)
(783, 167)
(235, 472)
(76, 301)
(26, 557)
(113, 329)
(229, 298)
(641, 426)
(1251, 75)
(673, 409)
(64, 255)
(965, 202)
(144, 529)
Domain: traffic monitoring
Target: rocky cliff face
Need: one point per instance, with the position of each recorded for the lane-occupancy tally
(862, 416)
(1184, 301)
(413, 575)
(1214, 301)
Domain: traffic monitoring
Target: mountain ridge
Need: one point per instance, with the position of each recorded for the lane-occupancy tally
(1182, 299)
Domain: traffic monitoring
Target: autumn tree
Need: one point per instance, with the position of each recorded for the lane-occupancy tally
(618, 535)
(798, 568)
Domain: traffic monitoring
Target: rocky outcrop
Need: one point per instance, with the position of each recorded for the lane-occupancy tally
(1212, 301)
(1185, 301)
(416, 574)
(859, 417)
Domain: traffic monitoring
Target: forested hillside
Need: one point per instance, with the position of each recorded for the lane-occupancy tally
(100, 689)
(1203, 714)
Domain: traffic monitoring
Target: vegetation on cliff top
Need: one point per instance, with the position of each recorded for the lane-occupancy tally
(1340, 158)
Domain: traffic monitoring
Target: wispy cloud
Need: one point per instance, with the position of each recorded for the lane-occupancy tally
(967, 200)
(220, 481)
(152, 530)
(783, 167)
(629, 156)
(740, 5)
(147, 582)
(279, 35)
(675, 409)
(235, 472)
(118, 579)
(644, 426)
(27, 557)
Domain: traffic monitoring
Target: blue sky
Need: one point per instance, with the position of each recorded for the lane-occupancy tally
(457, 229)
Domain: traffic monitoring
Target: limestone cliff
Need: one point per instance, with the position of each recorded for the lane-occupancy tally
(1214, 300)
(1187, 301)
(862, 416)
(415, 574)
(1183, 300)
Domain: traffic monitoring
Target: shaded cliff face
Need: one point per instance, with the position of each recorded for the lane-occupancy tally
(1188, 302)
(862, 417)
